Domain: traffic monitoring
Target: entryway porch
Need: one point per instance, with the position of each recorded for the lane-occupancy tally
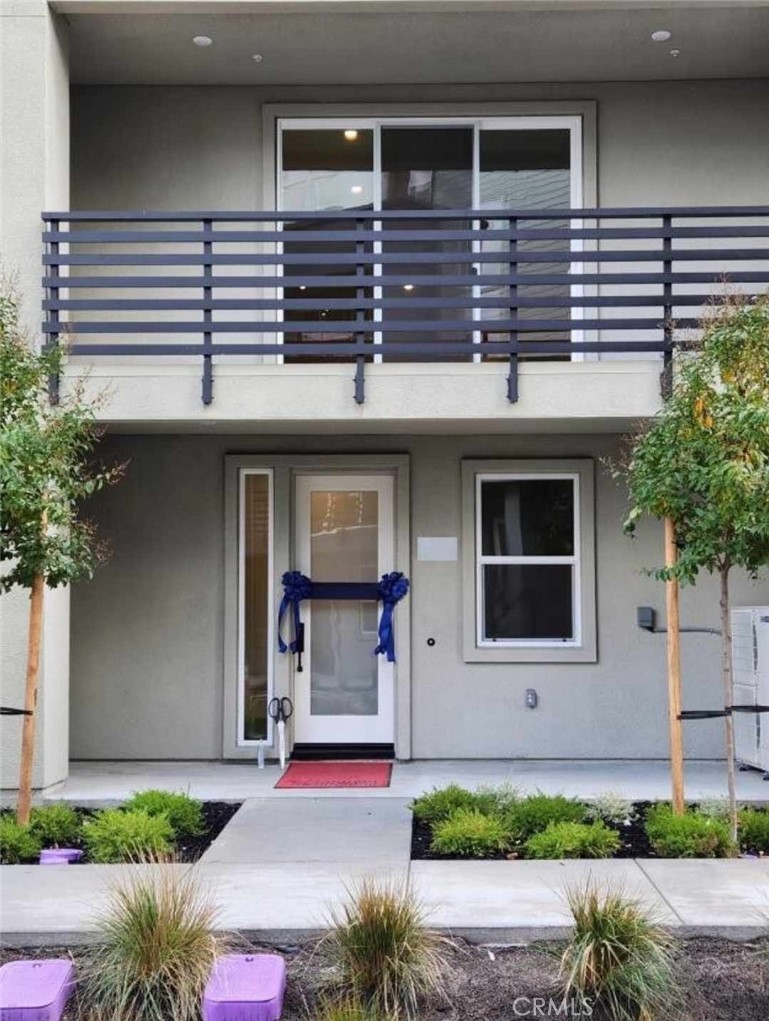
(95, 783)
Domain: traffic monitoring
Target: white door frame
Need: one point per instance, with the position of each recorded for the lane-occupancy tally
(357, 729)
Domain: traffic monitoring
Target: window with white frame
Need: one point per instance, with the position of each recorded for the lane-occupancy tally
(528, 552)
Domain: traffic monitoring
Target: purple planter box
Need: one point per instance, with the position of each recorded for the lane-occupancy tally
(35, 990)
(245, 987)
(60, 855)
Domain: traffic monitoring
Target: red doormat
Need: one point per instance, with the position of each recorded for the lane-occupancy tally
(336, 774)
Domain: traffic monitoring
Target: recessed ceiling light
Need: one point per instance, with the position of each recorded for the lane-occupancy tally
(257, 57)
(675, 53)
(357, 189)
(661, 35)
(202, 40)
(351, 134)
(408, 287)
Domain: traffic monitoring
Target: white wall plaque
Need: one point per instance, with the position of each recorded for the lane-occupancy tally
(437, 548)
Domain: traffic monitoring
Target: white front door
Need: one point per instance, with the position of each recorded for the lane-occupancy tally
(344, 533)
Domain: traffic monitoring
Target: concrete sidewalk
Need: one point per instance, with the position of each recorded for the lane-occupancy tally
(278, 868)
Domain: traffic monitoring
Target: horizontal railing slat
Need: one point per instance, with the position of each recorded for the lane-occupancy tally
(402, 258)
(365, 326)
(366, 304)
(386, 349)
(399, 236)
(565, 279)
(261, 216)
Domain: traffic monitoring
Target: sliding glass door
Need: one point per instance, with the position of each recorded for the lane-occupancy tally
(516, 163)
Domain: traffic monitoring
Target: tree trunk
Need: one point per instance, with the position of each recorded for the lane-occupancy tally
(726, 671)
(34, 642)
(674, 674)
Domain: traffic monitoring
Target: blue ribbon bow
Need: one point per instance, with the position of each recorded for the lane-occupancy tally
(296, 587)
(392, 588)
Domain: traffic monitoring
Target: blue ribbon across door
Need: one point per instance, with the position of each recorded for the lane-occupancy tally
(297, 587)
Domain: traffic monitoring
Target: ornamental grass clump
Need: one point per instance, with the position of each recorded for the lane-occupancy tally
(155, 951)
(184, 813)
(618, 958)
(386, 958)
(573, 840)
(117, 836)
(56, 825)
(691, 835)
(344, 1008)
(470, 833)
(18, 844)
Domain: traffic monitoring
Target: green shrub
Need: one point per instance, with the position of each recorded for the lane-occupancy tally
(386, 958)
(184, 813)
(467, 831)
(690, 835)
(439, 803)
(17, 843)
(573, 840)
(754, 830)
(619, 958)
(155, 951)
(115, 835)
(610, 808)
(714, 808)
(56, 825)
(538, 811)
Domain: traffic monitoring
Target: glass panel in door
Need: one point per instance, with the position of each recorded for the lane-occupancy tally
(344, 546)
(323, 169)
(428, 168)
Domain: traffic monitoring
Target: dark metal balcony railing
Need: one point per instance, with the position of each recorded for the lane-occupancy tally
(395, 285)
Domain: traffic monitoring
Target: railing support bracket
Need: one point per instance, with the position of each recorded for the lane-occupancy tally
(512, 380)
(208, 379)
(360, 380)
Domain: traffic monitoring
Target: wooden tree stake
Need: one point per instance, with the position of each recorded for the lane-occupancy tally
(30, 699)
(674, 673)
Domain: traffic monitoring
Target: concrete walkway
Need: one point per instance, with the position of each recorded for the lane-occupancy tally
(98, 783)
(279, 867)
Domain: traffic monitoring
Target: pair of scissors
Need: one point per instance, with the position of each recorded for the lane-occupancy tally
(280, 710)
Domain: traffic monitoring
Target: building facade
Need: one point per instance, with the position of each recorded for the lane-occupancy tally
(374, 288)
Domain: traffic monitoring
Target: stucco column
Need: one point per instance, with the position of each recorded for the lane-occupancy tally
(34, 175)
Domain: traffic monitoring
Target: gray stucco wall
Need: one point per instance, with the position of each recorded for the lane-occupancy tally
(147, 632)
(178, 147)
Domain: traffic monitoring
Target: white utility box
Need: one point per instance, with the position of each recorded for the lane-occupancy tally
(750, 663)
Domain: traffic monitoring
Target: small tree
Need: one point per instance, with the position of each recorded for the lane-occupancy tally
(45, 471)
(703, 462)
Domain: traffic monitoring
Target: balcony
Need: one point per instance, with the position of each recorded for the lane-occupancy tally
(372, 288)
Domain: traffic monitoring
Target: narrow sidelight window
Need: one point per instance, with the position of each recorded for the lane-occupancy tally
(255, 604)
(528, 569)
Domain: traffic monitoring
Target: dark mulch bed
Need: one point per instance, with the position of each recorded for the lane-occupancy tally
(721, 980)
(216, 815)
